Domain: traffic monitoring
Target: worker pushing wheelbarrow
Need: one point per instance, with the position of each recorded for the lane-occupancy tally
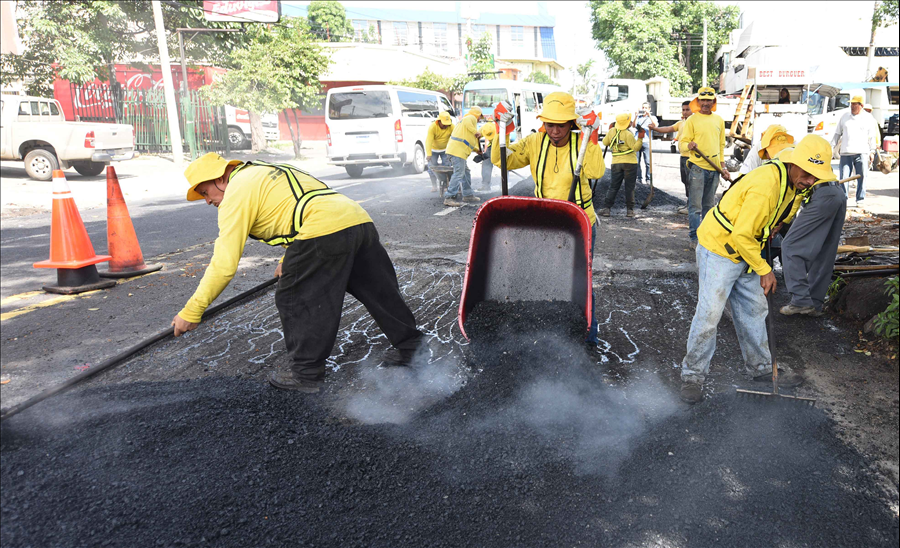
(541, 248)
(439, 168)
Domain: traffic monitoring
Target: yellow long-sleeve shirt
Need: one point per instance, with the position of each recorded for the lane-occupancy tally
(436, 140)
(748, 205)
(624, 150)
(679, 129)
(258, 201)
(558, 170)
(462, 139)
(708, 131)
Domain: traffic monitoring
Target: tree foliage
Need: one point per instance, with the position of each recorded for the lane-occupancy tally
(479, 58)
(539, 77)
(585, 76)
(328, 21)
(80, 41)
(887, 13)
(656, 38)
(278, 69)
(478, 54)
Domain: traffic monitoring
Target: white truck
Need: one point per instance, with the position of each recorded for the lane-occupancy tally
(621, 95)
(238, 121)
(828, 103)
(34, 130)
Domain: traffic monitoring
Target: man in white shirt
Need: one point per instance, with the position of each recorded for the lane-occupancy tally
(858, 138)
(642, 122)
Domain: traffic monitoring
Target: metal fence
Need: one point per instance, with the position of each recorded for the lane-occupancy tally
(203, 126)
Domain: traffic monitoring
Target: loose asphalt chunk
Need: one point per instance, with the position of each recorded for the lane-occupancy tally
(534, 450)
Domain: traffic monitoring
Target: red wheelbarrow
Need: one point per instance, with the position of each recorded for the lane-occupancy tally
(528, 249)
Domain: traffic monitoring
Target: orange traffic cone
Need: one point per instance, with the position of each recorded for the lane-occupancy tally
(71, 252)
(127, 259)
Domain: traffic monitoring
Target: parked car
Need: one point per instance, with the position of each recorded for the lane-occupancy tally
(380, 125)
(34, 130)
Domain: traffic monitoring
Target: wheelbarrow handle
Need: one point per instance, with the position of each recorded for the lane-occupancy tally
(504, 175)
(576, 177)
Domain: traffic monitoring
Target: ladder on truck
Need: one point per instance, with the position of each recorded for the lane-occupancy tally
(744, 111)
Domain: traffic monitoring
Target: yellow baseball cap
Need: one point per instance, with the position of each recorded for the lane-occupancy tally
(704, 93)
(623, 121)
(445, 119)
(774, 140)
(488, 131)
(559, 107)
(812, 155)
(474, 111)
(205, 168)
(858, 99)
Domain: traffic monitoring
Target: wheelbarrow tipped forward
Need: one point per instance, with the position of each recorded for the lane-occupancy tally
(528, 249)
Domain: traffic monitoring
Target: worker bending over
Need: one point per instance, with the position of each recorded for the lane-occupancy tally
(624, 146)
(773, 140)
(332, 249)
(436, 145)
(731, 268)
(552, 155)
(463, 141)
(677, 128)
(703, 132)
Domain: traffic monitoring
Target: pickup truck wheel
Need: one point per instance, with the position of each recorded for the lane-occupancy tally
(90, 169)
(236, 138)
(40, 163)
(354, 171)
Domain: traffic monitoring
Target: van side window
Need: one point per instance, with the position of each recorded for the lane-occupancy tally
(23, 109)
(418, 104)
(54, 110)
(45, 108)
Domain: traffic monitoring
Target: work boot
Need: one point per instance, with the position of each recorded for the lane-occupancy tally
(434, 188)
(452, 202)
(285, 380)
(790, 310)
(682, 210)
(604, 212)
(629, 213)
(471, 199)
(691, 393)
(786, 378)
(403, 357)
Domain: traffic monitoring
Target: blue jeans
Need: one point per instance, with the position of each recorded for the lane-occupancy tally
(437, 158)
(701, 196)
(592, 338)
(722, 280)
(486, 169)
(645, 154)
(859, 164)
(461, 177)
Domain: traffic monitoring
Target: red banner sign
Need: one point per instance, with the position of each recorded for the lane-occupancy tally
(242, 11)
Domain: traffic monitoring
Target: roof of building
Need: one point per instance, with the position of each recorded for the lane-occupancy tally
(379, 14)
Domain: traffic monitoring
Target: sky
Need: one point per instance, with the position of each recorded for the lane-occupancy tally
(835, 23)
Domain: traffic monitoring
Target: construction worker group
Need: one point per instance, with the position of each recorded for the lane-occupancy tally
(333, 247)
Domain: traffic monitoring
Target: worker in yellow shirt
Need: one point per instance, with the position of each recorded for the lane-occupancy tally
(731, 267)
(624, 147)
(332, 249)
(703, 131)
(677, 128)
(436, 144)
(552, 155)
(463, 141)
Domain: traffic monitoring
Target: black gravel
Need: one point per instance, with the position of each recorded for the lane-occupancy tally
(534, 451)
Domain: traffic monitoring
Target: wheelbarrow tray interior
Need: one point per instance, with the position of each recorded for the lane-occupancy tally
(528, 249)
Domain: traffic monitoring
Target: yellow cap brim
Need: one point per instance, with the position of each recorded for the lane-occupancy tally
(193, 195)
(821, 172)
(695, 105)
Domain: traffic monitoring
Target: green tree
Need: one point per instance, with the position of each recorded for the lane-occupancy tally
(479, 59)
(656, 38)
(584, 74)
(80, 41)
(885, 14)
(278, 69)
(539, 77)
(328, 21)
(427, 80)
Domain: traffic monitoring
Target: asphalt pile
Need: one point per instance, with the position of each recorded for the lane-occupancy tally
(535, 450)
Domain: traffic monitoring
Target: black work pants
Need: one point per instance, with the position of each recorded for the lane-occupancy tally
(685, 174)
(310, 295)
(626, 173)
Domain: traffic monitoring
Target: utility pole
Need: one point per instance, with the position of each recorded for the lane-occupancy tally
(165, 66)
(703, 81)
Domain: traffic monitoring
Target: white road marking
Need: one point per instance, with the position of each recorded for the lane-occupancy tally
(448, 210)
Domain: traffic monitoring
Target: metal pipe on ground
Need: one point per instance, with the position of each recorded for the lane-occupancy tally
(124, 355)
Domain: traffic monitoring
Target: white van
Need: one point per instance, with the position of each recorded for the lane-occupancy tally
(380, 126)
(527, 97)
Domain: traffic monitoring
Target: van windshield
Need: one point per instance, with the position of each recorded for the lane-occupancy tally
(356, 105)
(484, 98)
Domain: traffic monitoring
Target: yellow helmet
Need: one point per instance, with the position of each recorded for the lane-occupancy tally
(559, 107)
(774, 140)
(812, 155)
(205, 168)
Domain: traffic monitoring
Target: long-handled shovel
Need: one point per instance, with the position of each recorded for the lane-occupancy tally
(710, 162)
(576, 177)
(770, 327)
(650, 175)
(504, 175)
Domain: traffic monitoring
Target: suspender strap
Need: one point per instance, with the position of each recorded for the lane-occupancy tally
(542, 166)
(616, 150)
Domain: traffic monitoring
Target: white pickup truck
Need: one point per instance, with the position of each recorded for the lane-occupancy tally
(35, 130)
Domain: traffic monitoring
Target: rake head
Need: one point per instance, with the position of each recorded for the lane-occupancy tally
(775, 397)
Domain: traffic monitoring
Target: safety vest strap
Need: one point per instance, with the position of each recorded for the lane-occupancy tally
(542, 166)
(303, 196)
(615, 142)
(462, 141)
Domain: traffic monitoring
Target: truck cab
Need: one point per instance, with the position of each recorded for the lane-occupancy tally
(615, 96)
